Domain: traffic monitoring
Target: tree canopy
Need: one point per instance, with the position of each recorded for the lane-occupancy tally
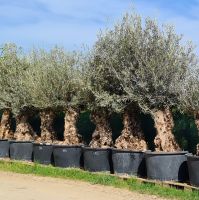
(13, 66)
(53, 80)
(139, 61)
(189, 92)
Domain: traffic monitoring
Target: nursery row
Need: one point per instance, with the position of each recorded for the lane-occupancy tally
(178, 166)
(136, 66)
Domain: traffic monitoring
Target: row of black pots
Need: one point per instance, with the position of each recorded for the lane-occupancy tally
(114, 161)
(153, 165)
(91, 159)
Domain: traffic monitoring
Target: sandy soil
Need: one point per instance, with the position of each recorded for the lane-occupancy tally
(27, 187)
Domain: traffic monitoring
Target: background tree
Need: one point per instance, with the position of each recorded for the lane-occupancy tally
(154, 66)
(189, 95)
(13, 95)
(53, 82)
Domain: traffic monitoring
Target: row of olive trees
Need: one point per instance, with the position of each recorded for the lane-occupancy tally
(141, 66)
(137, 66)
(44, 82)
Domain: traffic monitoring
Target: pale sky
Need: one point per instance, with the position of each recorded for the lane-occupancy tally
(72, 23)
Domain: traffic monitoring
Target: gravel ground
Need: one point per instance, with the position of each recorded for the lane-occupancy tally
(28, 187)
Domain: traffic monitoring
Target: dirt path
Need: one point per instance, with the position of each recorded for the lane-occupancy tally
(28, 187)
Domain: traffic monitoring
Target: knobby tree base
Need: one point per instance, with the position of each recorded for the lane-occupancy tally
(5, 126)
(165, 140)
(47, 131)
(132, 137)
(102, 136)
(71, 136)
(24, 131)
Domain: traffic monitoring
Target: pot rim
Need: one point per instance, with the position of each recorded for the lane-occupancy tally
(41, 144)
(128, 150)
(166, 153)
(96, 149)
(1, 140)
(192, 157)
(66, 146)
(18, 141)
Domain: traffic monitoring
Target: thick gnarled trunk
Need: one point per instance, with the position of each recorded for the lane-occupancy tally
(132, 137)
(197, 125)
(71, 136)
(165, 140)
(24, 131)
(102, 136)
(47, 131)
(5, 126)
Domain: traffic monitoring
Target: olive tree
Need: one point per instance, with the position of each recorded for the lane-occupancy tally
(154, 65)
(53, 82)
(100, 113)
(13, 95)
(5, 128)
(107, 58)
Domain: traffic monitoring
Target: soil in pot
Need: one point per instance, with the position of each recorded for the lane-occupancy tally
(193, 168)
(128, 162)
(97, 159)
(67, 156)
(4, 148)
(43, 153)
(21, 150)
(165, 166)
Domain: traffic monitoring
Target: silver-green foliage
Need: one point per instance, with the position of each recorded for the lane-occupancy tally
(105, 61)
(13, 65)
(162, 66)
(189, 92)
(53, 80)
(140, 61)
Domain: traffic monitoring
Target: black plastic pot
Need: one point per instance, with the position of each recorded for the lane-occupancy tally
(43, 153)
(67, 156)
(4, 148)
(97, 159)
(128, 162)
(167, 166)
(21, 150)
(193, 167)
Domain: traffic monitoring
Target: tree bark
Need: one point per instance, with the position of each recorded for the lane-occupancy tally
(165, 140)
(132, 136)
(102, 136)
(196, 116)
(71, 136)
(47, 131)
(24, 131)
(5, 127)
